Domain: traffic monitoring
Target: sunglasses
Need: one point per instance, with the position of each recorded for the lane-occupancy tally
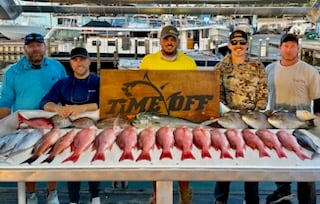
(235, 42)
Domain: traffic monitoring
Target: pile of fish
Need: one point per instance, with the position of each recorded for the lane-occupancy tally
(149, 131)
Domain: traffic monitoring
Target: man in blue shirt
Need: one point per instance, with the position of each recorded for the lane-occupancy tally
(24, 85)
(74, 95)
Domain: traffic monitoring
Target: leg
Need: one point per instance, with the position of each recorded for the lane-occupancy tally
(52, 186)
(307, 193)
(221, 191)
(282, 193)
(94, 188)
(251, 190)
(74, 188)
(185, 193)
(31, 187)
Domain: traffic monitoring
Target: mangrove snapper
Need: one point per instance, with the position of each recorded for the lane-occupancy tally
(36, 123)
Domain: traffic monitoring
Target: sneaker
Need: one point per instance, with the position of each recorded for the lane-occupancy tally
(185, 196)
(219, 202)
(32, 199)
(53, 197)
(95, 200)
(277, 197)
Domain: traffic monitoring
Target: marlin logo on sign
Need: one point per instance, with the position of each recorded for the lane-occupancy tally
(155, 99)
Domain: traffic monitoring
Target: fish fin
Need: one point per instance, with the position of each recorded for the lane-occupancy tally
(209, 122)
(166, 154)
(126, 155)
(21, 119)
(48, 160)
(187, 155)
(205, 153)
(225, 154)
(98, 156)
(73, 158)
(302, 156)
(144, 156)
(263, 153)
(239, 153)
(30, 160)
(281, 154)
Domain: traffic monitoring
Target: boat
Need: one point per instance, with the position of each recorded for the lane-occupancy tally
(136, 36)
(26, 23)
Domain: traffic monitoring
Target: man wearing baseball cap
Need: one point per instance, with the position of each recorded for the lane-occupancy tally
(168, 58)
(24, 85)
(72, 96)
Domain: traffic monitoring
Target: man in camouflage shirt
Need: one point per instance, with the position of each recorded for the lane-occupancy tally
(243, 86)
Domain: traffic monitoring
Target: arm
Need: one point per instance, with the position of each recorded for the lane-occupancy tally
(4, 112)
(262, 97)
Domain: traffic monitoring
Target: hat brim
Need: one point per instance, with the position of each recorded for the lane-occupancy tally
(164, 36)
(79, 55)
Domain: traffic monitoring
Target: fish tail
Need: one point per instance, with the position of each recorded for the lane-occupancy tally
(126, 155)
(166, 154)
(30, 160)
(48, 160)
(263, 153)
(73, 158)
(239, 153)
(187, 155)
(225, 154)
(281, 154)
(205, 153)
(302, 156)
(21, 119)
(144, 156)
(98, 156)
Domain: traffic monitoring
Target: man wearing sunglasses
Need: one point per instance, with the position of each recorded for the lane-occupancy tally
(74, 95)
(243, 86)
(24, 84)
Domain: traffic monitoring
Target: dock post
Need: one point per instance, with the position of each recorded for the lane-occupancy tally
(147, 45)
(259, 49)
(98, 57)
(135, 48)
(216, 46)
(117, 45)
(267, 47)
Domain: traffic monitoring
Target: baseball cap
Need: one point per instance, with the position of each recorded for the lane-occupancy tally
(169, 31)
(289, 37)
(33, 37)
(238, 33)
(79, 52)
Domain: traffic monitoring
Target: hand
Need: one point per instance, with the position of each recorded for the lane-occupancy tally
(74, 110)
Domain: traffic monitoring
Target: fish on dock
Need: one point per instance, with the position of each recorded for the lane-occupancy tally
(184, 141)
(202, 140)
(45, 143)
(146, 142)
(306, 142)
(220, 142)
(9, 141)
(270, 139)
(35, 123)
(103, 141)
(127, 140)
(63, 143)
(165, 141)
(81, 142)
(253, 141)
(236, 141)
(290, 143)
(287, 120)
(256, 119)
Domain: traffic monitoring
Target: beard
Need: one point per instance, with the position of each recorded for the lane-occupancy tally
(35, 58)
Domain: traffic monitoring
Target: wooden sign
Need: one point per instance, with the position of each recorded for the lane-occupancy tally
(193, 95)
